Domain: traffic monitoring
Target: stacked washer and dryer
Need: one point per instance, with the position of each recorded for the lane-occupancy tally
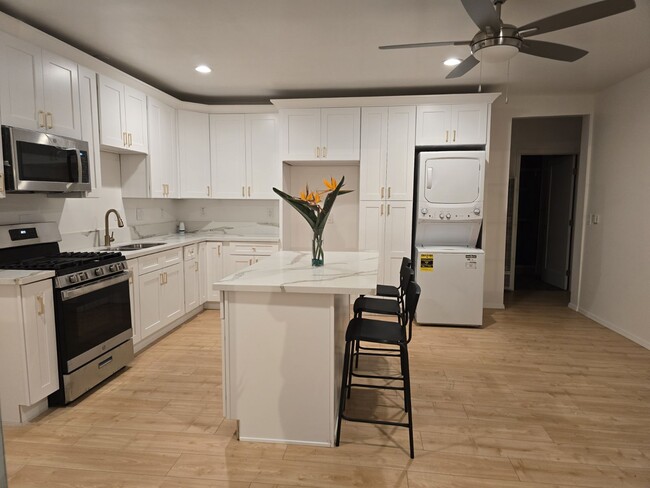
(448, 264)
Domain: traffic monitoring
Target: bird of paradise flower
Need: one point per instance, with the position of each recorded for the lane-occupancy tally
(308, 204)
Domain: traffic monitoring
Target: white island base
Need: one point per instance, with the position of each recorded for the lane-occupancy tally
(283, 339)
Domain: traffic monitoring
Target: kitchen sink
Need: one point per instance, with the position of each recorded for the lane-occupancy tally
(135, 247)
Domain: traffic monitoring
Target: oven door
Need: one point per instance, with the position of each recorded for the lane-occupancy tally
(92, 319)
(45, 162)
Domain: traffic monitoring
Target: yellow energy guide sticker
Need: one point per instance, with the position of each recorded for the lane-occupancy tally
(426, 262)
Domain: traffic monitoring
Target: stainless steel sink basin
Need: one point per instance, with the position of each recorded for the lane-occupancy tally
(135, 247)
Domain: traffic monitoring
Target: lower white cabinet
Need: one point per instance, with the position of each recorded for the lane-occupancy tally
(28, 357)
(385, 227)
(240, 255)
(192, 277)
(162, 298)
(214, 251)
(203, 272)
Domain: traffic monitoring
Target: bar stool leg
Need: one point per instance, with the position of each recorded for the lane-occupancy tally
(344, 377)
(407, 395)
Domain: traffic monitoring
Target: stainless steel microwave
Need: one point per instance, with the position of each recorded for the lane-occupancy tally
(39, 162)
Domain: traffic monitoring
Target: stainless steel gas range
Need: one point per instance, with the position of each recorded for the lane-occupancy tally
(91, 300)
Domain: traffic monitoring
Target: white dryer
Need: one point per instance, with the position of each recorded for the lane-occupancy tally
(449, 197)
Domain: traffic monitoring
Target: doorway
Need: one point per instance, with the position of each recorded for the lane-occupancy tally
(542, 254)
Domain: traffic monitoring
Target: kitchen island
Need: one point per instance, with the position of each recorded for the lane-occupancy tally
(283, 326)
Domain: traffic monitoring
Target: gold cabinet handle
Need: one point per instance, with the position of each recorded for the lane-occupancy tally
(162, 279)
(389, 192)
(324, 151)
(218, 250)
(243, 191)
(130, 139)
(41, 118)
(381, 209)
(196, 266)
(318, 152)
(382, 192)
(124, 139)
(387, 210)
(446, 136)
(208, 190)
(49, 120)
(454, 138)
(41, 305)
(249, 191)
(165, 277)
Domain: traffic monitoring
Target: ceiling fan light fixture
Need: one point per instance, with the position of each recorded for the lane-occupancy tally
(452, 62)
(202, 68)
(498, 53)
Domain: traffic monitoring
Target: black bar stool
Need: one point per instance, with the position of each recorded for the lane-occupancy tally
(387, 333)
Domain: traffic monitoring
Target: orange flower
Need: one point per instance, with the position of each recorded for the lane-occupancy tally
(313, 197)
(331, 185)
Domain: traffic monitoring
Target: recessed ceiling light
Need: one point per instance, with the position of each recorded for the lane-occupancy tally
(202, 68)
(452, 62)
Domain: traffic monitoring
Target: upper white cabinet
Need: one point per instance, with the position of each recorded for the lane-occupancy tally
(39, 89)
(387, 153)
(163, 156)
(90, 122)
(244, 155)
(320, 134)
(448, 125)
(194, 154)
(123, 117)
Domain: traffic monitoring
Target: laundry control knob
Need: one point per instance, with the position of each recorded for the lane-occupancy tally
(442, 216)
(477, 211)
(423, 211)
(448, 216)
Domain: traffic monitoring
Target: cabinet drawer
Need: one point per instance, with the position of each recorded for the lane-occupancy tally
(159, 260)
(252, 248)
(190, 252)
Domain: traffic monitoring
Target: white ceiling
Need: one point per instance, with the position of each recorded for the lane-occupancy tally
(261, 49)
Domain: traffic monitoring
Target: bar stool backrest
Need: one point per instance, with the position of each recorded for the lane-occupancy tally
(412, 297)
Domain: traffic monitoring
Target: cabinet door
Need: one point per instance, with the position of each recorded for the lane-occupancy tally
(397, 241)
(372, 166)
(40, 340)
(194, 154)
(150, 303)
(263, 165)
(401, 153)
(228, 155)
(135, 116)
(191, 277)
(111, 114)
(300, 134)
(371, 229)
(61, 96)
(215, 268)
(163, 161)
(203, 273)
(433, 125)
(89, 120)
(469, 124)
(340, 133)
(237, 262)
(172, 297)
(22, 84)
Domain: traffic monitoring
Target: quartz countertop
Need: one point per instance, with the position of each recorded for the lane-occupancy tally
(292, 272)
(23, 276)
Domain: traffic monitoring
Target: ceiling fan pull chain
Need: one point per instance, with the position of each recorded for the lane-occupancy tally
(480, 74)
(508, 82)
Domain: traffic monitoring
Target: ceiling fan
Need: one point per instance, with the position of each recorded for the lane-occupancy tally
(497, 41)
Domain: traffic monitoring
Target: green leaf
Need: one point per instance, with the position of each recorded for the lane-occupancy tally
(327, 206)
(309, 213)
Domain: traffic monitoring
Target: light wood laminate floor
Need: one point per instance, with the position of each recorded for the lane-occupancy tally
(540, 397)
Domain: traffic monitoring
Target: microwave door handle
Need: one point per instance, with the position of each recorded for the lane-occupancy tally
(429, 178)
(79, 166)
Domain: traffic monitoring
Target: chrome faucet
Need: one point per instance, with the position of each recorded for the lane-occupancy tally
(108, 238)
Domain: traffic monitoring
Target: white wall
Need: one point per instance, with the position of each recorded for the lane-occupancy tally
(615, 287)
(496, 178)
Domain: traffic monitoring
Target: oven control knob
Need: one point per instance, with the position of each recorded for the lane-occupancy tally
(442, 216)
(448, 216)
(111, 268)
(99, 271)
(477, 211)
(73, 278)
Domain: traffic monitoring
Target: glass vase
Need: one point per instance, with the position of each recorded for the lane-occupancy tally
(317, 256)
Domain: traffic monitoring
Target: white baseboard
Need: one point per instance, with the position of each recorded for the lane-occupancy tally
(165, 330)
(27, 414)
(573, 306)
(496, 305)
(642, 342)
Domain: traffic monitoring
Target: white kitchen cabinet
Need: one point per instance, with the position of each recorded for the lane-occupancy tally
(449, 125)
(172, 303)
(150, 307)
(123, 117)
(194, 154)
(28, 356)
(214, 268)
(39, 89)
(191, 277)
(240, 255)
(387, 153)
(163, 156)
(90, 122)
(244, 155)
(386, 227)
(203, 272)
(320, 134)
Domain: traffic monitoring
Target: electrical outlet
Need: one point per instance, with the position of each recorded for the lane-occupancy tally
(139, 214)
(595, 219)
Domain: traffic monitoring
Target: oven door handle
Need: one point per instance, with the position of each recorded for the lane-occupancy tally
(97, 285)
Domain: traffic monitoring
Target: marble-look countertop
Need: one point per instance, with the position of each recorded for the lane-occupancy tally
(23, 277)
(292, 272)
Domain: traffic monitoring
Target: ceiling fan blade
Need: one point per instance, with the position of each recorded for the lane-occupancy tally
(576, 16)
(552, 50)
(467, 64)
(426, 44)
(483, 14)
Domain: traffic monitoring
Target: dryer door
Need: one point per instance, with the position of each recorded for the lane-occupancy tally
(452, 178)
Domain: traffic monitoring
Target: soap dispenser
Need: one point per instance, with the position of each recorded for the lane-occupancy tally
(181, 228)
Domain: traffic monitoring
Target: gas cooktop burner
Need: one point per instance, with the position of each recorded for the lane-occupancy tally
(65, 261)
